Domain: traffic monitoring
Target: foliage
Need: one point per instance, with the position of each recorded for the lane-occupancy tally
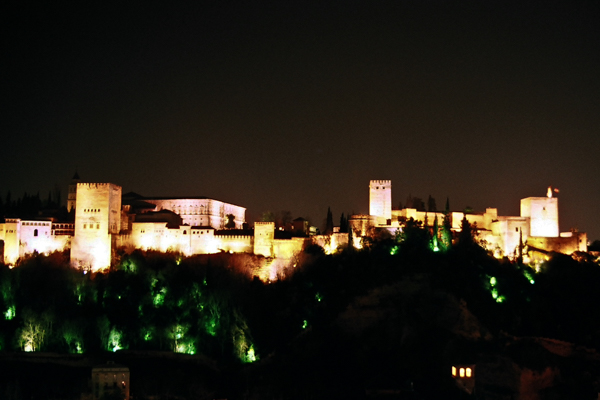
(213, 305)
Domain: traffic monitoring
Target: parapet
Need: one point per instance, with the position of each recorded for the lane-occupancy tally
(380, 182)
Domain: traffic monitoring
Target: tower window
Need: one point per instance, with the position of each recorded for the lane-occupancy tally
(35, 232)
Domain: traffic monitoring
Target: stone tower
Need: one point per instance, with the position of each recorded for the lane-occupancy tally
(264, 233)
(543, 215)
(380, 200)
(72, 198)
(97, 219)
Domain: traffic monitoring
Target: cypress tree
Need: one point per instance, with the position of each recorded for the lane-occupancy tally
(329, 223)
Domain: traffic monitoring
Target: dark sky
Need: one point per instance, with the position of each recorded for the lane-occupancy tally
(297, 105)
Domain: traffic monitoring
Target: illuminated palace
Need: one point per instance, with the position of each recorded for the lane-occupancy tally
(536, 227)
(105, 220)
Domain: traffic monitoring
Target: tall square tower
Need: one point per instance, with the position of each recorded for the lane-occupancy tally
(380, 199)
(97, 219)
(543, 215)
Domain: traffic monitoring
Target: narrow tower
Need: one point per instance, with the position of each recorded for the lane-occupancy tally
(380, 200)
(72, 198)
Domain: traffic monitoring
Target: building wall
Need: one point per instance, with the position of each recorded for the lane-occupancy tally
(22, 237)
(288, 248)
(97, 219)
(564, 244)
(507, 231)
(202, 212)
(12, 233)
(543, 212)
(235, 243)
(380, 200)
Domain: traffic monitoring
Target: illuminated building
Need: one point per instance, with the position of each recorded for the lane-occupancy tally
(97, 222)
(105, 220)
(536, 227)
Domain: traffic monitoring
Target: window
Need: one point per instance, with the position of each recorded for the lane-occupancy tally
(35, 232)
(97, 226)
(84, 226)
(469, 372)
(461, 372)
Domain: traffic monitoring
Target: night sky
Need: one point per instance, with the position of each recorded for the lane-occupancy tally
(297, 105)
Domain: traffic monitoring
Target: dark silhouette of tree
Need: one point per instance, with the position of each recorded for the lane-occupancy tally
(283, 219)
(343, 224)
(431, 204)
(465, 238)
(329, 223)
(230, 221)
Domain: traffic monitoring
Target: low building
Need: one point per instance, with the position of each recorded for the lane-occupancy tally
(110, 378)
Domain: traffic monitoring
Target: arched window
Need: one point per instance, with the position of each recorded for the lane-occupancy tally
(35, 232)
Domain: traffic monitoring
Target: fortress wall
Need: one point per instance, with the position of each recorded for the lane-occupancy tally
(235, 243)
(330, 243)
(565, 245)
(288, 248)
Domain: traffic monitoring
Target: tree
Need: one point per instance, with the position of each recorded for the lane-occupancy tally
(230, 221)
(431, 204)
(329, 223)
(267, 216)
(465, 238)
(343, 224)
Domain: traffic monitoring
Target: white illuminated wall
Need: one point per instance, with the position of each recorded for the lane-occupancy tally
(380, 199)
(543, 215)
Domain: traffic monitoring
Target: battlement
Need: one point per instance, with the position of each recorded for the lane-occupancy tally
(380, 182)
(94, 185)
(264, 223)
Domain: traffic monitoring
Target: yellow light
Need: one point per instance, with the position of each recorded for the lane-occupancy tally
(469, 372)
(461, 372)
(453, 371)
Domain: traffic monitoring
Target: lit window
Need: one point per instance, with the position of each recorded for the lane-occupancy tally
(97, 226)
(469, 372)
(453, 371)
(461, 372)
(84, 226)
